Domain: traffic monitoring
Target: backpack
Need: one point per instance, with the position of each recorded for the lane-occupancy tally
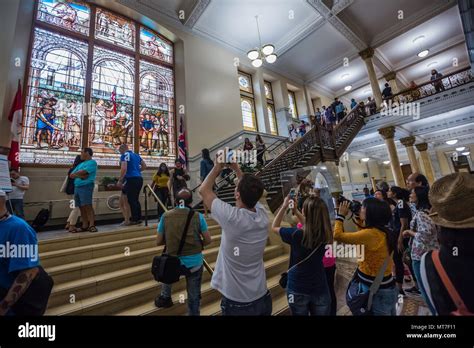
(461, 309)
(41, 219)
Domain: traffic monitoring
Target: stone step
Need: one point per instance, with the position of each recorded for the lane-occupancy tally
(209, 297)
(118, 300)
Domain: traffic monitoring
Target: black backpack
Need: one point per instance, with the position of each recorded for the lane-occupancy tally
(41, 219)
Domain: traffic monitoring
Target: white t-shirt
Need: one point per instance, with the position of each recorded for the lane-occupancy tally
(240, 273)
(18, 193)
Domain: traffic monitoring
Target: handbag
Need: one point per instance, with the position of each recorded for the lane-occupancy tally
(34, 300)
(284, 276)
(167, 268)
(361, 303)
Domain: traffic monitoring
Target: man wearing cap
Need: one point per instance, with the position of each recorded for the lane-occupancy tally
(16, 273)
(447, 274)
(170, 231)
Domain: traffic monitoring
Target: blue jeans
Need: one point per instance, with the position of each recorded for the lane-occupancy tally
(193, 288)
(315, 304)
(261, 306)
(15, 206)
(384, 301)
(416, 269)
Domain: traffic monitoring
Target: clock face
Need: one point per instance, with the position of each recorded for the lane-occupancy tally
(243, 82)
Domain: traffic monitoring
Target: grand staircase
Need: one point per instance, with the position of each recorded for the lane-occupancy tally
(108, 273)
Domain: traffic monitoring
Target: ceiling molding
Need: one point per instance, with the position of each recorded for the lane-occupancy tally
(323, 90)
(196, 12)
(333, 65)
(411, 22)
(298, 34)
(340, 5)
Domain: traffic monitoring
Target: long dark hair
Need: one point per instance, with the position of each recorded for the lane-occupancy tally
(206, 156)
(400, 193)
(317, 228)
(78, 160)
(423, 201)
(378, 215)
(259, 138)
(160, 171)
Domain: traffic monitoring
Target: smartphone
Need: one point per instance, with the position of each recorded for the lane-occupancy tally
(292, 193)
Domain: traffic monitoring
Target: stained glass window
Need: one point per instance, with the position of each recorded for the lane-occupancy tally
(54, 127)
(292, 104)
(114, 29)
(245, 82)
(268, 90)
(154, 46)
(248, 113)
(66, 14)
(53, 113)
(272, 119)
(156, 117)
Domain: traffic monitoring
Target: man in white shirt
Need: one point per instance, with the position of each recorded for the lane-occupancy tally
(239, 274)
(20, 185)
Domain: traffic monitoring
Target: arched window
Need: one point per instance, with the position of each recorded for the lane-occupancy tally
(97, 79)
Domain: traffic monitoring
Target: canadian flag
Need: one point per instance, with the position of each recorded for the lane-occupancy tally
(15, 117)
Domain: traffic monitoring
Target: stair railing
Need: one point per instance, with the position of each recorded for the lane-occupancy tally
(148, 189)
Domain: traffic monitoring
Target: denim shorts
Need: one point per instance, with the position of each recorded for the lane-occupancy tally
(83, 195)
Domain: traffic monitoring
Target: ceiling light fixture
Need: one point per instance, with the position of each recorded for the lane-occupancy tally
(265, 52)
(431, 64)
(460, 148)
(348, 88)
(344, 76)
(465, 153)
(365, 159)
(423, 51)
(386, 162)
(451, 142)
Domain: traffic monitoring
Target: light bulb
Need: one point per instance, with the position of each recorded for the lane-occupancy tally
(257, 63)
(268, 49)
(252, 55)
(365, 159)
(460, 148)
(452, 142)
(348, 88)
(271, 58)
(423, 53)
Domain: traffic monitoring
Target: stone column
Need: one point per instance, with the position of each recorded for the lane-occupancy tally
(425, 158)
(388, 134)
(260, 102)
(408, 142)
(367, 55)
(391, 78)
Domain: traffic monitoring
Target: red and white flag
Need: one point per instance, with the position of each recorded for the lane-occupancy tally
(15, 117)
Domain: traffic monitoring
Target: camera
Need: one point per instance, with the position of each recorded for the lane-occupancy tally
(354, 206)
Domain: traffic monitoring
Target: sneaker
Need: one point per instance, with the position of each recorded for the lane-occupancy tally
(163, 302)
(413, 290)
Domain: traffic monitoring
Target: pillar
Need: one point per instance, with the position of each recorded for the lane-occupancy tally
(388, 134)
(309, 102)
(280, 97)
(260, 102)
(425, 159)
(391, 78)
(367, 55)
(408, 142)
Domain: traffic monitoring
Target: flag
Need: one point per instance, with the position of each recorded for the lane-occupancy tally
(15, 117)
(182, 143)
(113, 98)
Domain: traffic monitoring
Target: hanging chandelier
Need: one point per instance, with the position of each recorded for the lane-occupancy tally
(265, 52)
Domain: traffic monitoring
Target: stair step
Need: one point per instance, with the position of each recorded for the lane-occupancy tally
(273, 267)
(126, 297)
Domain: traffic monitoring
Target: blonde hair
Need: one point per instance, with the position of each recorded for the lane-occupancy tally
(317, 229)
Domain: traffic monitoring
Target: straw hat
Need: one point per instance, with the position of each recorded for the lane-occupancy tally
(452, 200)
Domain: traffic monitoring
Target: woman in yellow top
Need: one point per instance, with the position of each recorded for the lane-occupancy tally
(379, 242)
(161, 181)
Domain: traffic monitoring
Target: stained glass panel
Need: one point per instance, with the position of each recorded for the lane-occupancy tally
(268, 90)
(111, 122)
(55, 98)
(248, 113)
(272, 119)
(114, 29)
(245, 83)
(157, 119)
(66, 14)
(292, 104)
(154, 46)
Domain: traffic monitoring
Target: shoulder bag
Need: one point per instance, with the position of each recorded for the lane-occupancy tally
(167, 268)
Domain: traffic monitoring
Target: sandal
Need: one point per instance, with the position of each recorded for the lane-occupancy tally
(83, 229)
(74, 230)
(92, 229)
